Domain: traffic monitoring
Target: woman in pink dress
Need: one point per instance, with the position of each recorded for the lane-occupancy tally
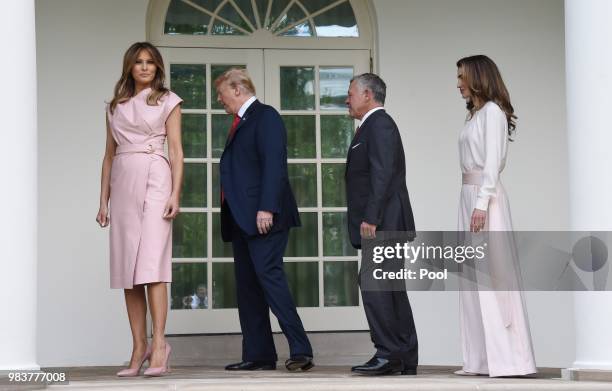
(143, 186)
(494, 326)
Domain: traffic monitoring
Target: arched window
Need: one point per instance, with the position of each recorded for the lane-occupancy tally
(342, 24)
(311, 18)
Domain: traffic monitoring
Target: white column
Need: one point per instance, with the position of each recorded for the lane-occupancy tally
(588, 47)
(18, 196)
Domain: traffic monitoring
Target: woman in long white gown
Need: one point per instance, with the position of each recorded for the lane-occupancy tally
(494, 327)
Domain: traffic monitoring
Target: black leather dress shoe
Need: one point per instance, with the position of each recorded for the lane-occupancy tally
(252, 366)
(378, 366)
(299, 362)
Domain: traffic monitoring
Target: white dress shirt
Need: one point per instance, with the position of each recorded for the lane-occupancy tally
(246, 105)
(369, 113)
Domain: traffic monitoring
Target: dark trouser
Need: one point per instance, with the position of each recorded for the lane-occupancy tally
(261, 285)
(391, 325)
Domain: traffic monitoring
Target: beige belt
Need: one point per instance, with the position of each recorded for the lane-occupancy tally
(472, 178)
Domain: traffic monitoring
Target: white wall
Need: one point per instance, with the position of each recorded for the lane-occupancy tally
(419, 43)
(80, 44)
(80, 48)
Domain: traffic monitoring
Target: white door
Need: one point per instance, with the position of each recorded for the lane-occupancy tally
(308, 87)
(202, 263)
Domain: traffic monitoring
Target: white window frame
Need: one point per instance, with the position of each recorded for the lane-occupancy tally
(261, 39)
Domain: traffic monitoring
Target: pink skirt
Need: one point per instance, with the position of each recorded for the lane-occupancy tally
(140, 238)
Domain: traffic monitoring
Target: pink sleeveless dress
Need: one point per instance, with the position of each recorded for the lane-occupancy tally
(141, 184)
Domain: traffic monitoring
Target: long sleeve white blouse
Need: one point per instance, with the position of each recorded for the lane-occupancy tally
(483, 145)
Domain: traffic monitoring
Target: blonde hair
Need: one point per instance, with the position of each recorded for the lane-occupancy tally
(125, 87)
(236, 77)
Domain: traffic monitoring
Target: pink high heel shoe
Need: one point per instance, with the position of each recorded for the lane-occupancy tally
(163, 370)
(129, 372)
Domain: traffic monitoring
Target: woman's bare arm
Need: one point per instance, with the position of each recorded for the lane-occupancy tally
(107, 163)
(175, 153)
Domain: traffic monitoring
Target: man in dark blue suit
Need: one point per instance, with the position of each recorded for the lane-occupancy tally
(257, 210)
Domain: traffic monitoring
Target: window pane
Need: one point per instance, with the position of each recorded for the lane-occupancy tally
(189, 82)
(340, 284)
(300, 30)
(295, 14)
(262, 8)
(301, 136)
(184, 19)
(303, 241)
(224, 285)
(247, 9)
(210, 5)
(193, 133)
(303, 180)
(216, 186)
(336, 135)
(334, 192)
(229, 13)
(334, 84)
(188, 289)
(297, 88)
(278, 6)
(337, 22)
(303, 279)
(194, 186)
(215, 72)
(336, 241)
(220, 28)
(221, 124)
(221, 249)
(189, 235)
(315, 5)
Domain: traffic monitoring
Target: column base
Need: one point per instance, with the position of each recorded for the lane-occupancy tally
(581, 374)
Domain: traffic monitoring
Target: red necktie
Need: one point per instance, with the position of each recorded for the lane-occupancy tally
(235, 123)
(232, 132)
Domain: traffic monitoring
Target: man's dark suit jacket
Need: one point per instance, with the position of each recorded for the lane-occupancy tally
(376, 179)
(254, 173)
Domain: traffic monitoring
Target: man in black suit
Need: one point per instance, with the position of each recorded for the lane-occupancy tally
(377, 199)
(257, 210)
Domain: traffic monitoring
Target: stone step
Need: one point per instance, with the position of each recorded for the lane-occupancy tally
(321, 378)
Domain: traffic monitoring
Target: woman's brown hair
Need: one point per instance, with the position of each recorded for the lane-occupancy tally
(485, 82)
(125, 87)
